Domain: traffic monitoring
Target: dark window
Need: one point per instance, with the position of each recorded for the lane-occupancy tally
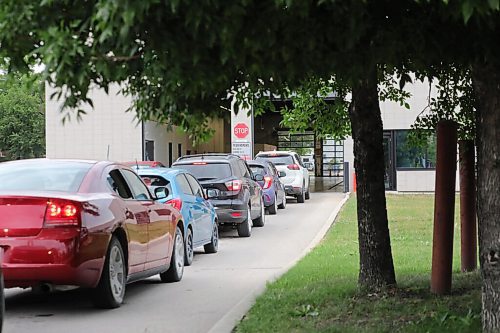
(139, 190)
(150, 150)
(421, 155)
(170, 153)
(195, 186)
(119, 185)
(43, 176)
(207, 171)
(179, 150)
(183, 184)
(277, 159)
(154, 181)
(258, 170)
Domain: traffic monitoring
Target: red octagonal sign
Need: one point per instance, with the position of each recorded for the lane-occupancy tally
(241, 130)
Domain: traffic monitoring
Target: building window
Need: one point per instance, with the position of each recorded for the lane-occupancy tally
(179, 150)
(170, 153)
(150, 150)
(415, 156)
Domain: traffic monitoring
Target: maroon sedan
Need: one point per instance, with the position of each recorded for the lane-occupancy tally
(85, 223)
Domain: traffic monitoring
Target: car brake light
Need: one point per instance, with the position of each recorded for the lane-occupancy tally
(267, 181)
(293, 167)
(234, 185)
(199, 163)
(176, 203)
(62, 213)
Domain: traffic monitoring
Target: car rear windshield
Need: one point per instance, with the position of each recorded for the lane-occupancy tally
(206, 170)
(258, 170)
(57, 176)
(277, 159)
(153, 181)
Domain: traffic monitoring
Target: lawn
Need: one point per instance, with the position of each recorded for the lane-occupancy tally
(320, 293)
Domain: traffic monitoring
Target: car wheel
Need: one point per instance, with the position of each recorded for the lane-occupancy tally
(300, 197)
(261, 220)
(308, 195)
(189, 251)
(176, 269)
(213, 246)
(282, 205)
(245, 228)
(110, 291)
(274, 207)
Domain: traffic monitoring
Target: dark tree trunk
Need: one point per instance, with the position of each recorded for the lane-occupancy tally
(468, 219)
(376, 266)
(486, 78)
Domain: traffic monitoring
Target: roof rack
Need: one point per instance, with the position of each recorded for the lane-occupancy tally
(207, 154)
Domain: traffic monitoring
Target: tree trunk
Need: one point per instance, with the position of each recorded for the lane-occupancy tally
(376, 265)
(486, 78)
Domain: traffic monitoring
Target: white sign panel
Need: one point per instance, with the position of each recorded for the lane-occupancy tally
(242, 132)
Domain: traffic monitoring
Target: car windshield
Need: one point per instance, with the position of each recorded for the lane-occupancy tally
(46, 176)
(258, 170)
(206, 170)
(277, 159)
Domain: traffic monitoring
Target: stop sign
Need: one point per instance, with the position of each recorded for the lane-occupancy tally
(241, 130)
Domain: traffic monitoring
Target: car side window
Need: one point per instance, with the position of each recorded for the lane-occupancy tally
(183, 184)
(235, 166)
(139, 190)
(244, 169)
(195, 186)
(118, 184)
(299, 160)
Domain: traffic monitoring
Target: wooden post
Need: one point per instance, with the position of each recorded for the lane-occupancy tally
(468, 221)
(444, 207)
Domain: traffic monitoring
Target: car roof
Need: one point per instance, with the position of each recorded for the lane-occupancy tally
(262, 163)
(160, 171)
(276, 152)
(52, 160)
(209, 158)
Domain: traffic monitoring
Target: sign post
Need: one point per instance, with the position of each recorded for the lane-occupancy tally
(241, 131)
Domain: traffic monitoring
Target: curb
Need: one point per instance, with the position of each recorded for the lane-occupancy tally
(228, 322)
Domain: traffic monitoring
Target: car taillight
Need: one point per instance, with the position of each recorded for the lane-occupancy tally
(176, 203)
(234, 185)
(293, 167)
(268, 180)
(62, 213)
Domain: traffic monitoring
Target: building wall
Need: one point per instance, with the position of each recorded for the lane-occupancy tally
(106, 132)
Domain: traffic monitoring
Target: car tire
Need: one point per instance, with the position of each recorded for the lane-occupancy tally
(189, 250)
(307, 195)
(176, 269)
(213, 246)
(273, 209)
(300, 197)
(261, 220)
(245, 228)
(282, 205)
(110, 290)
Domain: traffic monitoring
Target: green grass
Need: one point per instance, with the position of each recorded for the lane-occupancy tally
(320, 293)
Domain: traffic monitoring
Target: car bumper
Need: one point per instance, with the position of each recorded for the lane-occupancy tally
(61, 260)
(293, 190)
(269, 196)
(230, 211)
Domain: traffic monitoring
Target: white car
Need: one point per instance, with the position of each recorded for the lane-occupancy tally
(296, 180)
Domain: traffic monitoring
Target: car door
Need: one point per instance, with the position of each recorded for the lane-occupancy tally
(189, 206)
(159, 229)
(254, 188)
(278, 184)
(305, 172)
(204, 207)
(136, 220)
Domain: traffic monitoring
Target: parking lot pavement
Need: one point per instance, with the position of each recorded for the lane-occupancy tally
(213, 295)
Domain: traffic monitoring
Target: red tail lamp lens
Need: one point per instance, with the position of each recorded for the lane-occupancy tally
(268, 180)
(62, 213)
(293, 167)
(234, 185)
(176, 203)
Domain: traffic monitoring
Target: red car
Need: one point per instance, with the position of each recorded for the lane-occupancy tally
(85, 223)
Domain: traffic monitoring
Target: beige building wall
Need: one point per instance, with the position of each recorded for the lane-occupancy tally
(106, 132)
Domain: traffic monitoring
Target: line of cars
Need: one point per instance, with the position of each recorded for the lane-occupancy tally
(101, 225)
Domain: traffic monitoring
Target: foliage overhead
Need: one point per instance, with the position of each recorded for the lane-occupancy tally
(22, 117)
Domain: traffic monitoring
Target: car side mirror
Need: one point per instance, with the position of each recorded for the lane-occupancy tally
(161, 192)
(281, 174)
(258, 177)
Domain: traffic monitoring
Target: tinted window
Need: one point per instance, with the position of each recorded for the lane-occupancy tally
(155, 181)
(46, 176)
(139, 190)
(277, 159)
(258, 170)
(207, 171)
(183, 184)
(244, 170)
(118, 184)
(195, 186)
